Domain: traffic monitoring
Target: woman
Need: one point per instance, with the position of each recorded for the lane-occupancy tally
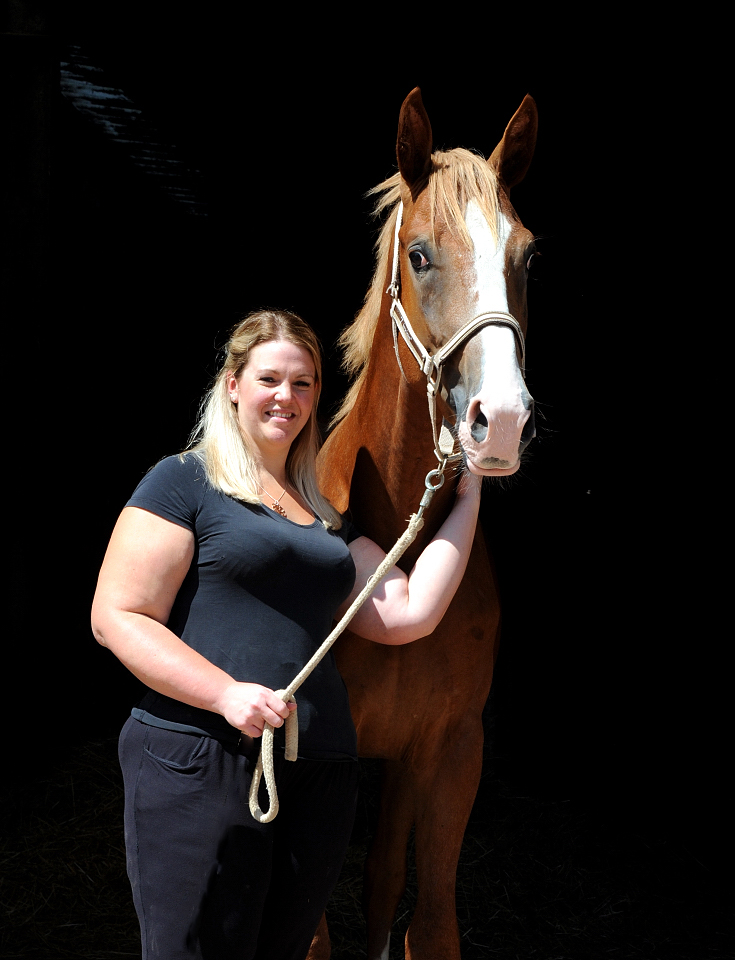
(223, 575)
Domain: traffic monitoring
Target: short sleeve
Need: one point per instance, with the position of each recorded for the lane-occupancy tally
(173, 489)
(348, 531)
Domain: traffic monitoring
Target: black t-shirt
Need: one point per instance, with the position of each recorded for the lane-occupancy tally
(258, 600)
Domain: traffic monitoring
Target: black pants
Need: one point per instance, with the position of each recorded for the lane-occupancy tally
(209, 882)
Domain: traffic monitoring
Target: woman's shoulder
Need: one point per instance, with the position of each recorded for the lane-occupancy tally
(173, 488)
(188, 465)
(180, 469)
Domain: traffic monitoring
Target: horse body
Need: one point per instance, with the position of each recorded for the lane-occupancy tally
(419, 707)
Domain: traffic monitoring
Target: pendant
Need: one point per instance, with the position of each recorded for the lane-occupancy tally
(278, 508)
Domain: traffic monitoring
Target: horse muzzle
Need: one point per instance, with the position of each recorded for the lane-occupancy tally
(494, 438)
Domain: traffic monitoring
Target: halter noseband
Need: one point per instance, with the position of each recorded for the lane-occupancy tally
(431, 364)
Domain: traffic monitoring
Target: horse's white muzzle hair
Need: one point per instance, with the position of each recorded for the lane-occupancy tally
(498, 423)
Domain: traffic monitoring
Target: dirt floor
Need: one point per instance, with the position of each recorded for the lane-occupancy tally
(537, 879)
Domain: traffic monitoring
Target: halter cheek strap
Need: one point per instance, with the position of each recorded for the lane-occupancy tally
(431, 364)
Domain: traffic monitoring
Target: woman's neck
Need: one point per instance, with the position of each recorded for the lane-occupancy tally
(273, 475)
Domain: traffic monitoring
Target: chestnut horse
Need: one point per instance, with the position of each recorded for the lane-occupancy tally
(459, 282)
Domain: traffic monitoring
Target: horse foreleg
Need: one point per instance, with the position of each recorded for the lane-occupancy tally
(385, 866)
(321, 946)
(443, 809)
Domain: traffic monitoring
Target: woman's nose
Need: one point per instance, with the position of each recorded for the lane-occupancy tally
(283, 392)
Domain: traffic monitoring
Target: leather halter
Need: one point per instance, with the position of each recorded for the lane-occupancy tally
(431, 364)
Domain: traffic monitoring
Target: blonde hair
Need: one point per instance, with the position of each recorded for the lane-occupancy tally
(457, 176)
(221, 445)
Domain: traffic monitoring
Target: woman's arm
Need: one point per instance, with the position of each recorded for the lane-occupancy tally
(144, 567)
(403, 608)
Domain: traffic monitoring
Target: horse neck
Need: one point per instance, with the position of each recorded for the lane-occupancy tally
(390, 427)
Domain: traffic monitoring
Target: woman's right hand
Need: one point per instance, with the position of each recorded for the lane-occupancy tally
(249, 706)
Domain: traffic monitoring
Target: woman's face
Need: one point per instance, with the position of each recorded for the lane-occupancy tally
(274, 394)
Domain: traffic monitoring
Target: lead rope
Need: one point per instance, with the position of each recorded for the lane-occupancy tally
(265, 760)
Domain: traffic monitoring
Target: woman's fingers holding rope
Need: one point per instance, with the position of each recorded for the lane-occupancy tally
(249, 706)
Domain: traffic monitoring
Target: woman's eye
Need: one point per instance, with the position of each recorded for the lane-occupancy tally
(418, 260)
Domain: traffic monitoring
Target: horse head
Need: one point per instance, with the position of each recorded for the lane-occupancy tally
(463, 262)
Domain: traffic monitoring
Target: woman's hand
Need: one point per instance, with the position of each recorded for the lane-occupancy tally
(248, 707)
(403, 608)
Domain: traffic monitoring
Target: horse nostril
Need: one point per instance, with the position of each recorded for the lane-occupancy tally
(529, 430)
(479, 428)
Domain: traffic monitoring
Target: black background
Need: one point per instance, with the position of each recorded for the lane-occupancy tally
(606, 690)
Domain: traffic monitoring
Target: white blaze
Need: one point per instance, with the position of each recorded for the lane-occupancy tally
(490, 288)
(502, 392)
(491, 294)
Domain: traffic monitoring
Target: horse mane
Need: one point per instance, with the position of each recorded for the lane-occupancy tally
(457, 176)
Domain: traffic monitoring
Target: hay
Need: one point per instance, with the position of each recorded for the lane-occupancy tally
(537, 879)
(63, 888)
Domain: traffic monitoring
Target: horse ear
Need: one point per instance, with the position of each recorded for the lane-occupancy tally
(512, 156)
(413, 147)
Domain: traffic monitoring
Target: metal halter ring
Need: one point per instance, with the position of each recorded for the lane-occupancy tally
(439, 472)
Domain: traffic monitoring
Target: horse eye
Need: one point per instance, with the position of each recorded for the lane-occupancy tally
(418, 260)
(532, 257)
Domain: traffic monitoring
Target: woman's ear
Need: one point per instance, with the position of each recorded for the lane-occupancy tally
(233, 389)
